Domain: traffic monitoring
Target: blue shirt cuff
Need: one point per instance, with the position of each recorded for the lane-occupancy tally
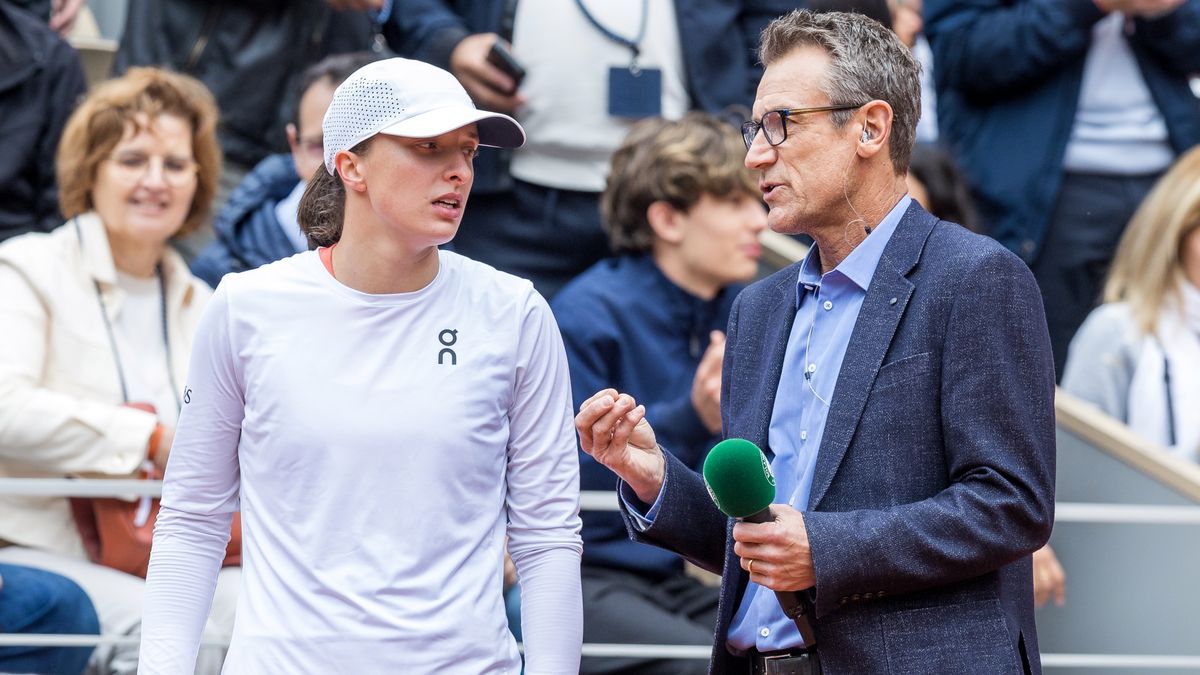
(634, 505)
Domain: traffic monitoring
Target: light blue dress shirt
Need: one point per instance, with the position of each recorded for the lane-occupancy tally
(826, 310)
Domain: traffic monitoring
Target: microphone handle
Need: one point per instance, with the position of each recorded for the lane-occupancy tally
(795, 605)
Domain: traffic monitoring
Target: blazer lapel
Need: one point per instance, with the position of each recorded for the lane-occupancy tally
(780, 314)
(887, 297)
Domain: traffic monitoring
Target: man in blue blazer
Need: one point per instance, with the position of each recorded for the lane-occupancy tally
(900, 379)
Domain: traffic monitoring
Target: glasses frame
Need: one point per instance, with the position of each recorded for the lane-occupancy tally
(750, 128)
(190, 175)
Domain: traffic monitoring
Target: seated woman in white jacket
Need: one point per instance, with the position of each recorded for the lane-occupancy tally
(1138, 355)
(97, 320)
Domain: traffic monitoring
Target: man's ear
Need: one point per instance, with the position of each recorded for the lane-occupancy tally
(293, 137)
(350, 167)
(875, 128)
(666, 221)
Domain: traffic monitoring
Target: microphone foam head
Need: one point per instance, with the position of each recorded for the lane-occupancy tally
(739, 478)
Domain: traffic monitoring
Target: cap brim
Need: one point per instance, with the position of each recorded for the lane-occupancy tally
(495, 129)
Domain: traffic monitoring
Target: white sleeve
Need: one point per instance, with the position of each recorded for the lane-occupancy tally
(200, 495)
(54, 431)
(543, 497)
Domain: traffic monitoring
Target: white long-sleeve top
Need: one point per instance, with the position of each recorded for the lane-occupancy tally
(379, 448)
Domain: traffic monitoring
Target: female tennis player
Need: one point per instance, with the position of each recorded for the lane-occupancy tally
(383, 414)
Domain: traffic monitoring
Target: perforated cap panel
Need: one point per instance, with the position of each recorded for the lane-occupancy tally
(407, 98)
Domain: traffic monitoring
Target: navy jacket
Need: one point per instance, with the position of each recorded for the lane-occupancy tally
(718, 37)
(1008, 75)
(935, 477)
(248, 234)
(648, 344)
(40, 82)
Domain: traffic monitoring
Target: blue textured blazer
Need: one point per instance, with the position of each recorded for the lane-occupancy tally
(935, 477)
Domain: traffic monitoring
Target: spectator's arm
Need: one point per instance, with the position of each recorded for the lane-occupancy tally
(424, 29)
(1173, 39)
(1100, 362)
(54, 431)
(66, 85)
(988, 49)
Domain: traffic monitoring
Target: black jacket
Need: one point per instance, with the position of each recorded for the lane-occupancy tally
(250, 53)
(40, 81)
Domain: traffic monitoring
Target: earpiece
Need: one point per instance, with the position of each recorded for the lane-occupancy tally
(866, 135)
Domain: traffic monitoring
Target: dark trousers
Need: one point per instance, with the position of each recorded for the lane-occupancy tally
(625, 608)
(1081, 239)
(542, 234)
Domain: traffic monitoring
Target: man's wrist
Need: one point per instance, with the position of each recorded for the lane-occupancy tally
(647, 490)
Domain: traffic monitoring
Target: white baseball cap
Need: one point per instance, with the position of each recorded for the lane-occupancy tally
(403, 97)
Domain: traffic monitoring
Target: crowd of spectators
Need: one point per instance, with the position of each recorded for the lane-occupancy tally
(1063, 128)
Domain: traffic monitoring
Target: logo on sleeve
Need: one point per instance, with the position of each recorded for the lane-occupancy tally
(447, 338)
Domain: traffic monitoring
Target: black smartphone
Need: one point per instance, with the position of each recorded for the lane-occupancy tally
(503, 59)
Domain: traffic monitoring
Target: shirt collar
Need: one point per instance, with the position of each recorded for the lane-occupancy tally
(859, 266)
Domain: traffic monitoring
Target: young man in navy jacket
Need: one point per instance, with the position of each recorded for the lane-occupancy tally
(684, 218)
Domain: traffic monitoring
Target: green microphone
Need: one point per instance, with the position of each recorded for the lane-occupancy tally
(739, 480)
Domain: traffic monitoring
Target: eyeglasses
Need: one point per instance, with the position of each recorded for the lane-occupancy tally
(175, 171)
(313, 146)
(773, 127)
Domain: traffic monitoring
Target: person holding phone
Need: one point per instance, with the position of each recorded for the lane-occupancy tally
(591, 71)
(383, 414)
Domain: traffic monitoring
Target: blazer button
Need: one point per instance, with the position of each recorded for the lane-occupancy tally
(868, 596)
(844, 600)
(879, 594)
(856, 597)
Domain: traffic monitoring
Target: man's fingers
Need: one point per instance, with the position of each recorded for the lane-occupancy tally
(590, 412)
(603, 428)
(626, 424)
(603, 393)
(755, 533)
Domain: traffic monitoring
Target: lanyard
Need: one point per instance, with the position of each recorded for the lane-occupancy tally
(112, 338)
(619, 39)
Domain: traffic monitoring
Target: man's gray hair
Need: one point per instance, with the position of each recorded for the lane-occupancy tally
(867, 62)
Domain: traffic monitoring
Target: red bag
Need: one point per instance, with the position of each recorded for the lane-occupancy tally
(118, 533)
(115, 534)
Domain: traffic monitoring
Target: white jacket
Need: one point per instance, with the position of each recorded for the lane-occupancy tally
(61, 410)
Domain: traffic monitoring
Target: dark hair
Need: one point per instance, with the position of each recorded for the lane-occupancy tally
(335, 69)
(676, 162)
(323, 206)
(873, 9)
(949, 195)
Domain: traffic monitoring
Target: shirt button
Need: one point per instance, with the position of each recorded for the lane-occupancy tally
(765, 632)
(812, 367)
(804, 434)
(828, 305)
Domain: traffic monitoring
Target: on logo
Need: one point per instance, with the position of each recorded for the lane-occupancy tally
(448, 337)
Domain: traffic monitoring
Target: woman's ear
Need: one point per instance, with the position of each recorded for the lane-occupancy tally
(665, 220)
(350, 168)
